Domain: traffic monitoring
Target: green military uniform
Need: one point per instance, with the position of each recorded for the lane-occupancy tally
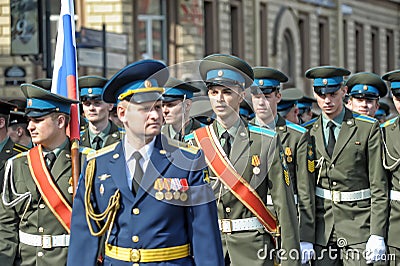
(91, 88)
(192, 125)
(391, 133)
(257, 156)
(7, 147)
(351, 185)
(30, 232)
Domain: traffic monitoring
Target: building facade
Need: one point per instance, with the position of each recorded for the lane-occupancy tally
(291, 35)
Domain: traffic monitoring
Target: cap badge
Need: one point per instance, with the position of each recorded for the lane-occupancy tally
(261, 82)
(365, 87)
(220, 73)
(147, 83)
(325, 81)
(90, 90)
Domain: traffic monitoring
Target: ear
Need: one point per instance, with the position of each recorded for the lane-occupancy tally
(296, 111)
(345, 89)
(2, 122)
(110, 106)
(121, 112)
(20, 131)
(278, 96)
(61, 121)
(188, 104)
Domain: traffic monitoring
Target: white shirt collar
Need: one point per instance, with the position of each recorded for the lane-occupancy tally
(145, 151)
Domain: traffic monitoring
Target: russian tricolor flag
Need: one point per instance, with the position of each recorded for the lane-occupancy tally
(65, 78)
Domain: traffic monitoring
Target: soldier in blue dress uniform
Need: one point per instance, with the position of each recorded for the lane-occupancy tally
(146, 193)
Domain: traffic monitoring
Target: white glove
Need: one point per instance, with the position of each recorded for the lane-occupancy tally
(307, 251)
(375, 249)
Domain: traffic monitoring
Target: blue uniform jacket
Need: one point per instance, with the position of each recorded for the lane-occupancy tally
(159, 223)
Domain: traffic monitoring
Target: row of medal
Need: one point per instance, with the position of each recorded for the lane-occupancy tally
(177, 185)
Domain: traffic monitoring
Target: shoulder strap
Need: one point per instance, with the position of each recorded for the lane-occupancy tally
(58, 205)
(237, 184)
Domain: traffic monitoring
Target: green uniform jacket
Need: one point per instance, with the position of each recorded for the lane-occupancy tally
(246, 247)
(391, 133)
(296, 146)
(9, 150)
(33, 216)
(113, 137)
(356, 164)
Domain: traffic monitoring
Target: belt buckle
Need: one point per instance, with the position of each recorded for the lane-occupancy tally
(336, 197)
(226, 225)
(135, 255)
(47, 241)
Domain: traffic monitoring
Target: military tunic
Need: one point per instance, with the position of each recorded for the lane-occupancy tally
(9, 150)
(253, 247)
(190, 127)
(356, 164)
(32, 215)
(391, 133)
(298, 154)
(142, 221)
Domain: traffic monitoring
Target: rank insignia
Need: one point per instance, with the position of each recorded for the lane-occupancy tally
(206, 176)
(103, 177)
(310, 158)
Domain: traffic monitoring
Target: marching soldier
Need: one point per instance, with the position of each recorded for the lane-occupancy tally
(287, 107)
(100, 131)
(147, 193)
(365, 89)
(267, 102)
(351, 185)
(7, 147)
(35, 208)
(246, 162)
(305, 109)
(383, 112)
(390, 131)
(176, 103)
(18, 130)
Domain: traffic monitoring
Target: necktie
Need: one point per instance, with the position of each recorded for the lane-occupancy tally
(331, 140)
(227, 144)
(178, 136)
(98, 142)
(50, 159)
(138, 174)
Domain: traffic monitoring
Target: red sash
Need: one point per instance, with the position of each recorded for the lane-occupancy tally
(49, 191)
(230, 178)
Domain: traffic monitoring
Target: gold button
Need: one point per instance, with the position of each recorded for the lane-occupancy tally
(40, 254)
(135, 255)
(42, 205)
(135, 211)
(135, 239)
(228, 209)
(40, 229)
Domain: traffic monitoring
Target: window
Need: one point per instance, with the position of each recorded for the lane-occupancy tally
(288, 58)
(264, 33)
(237, 35)
(359, 38)
(375, 50)
(324, 49)
(390, 50)
(345, 44)
(304, 28)
(210, 27)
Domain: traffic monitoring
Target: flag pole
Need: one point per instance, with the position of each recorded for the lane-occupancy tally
(65, 78)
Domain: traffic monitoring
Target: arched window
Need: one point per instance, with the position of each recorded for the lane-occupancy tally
(288, 58)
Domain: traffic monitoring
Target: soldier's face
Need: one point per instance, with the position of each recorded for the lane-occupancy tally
(173, 112)
(225, 101)
(364, 106)
(332, 103)
(96, 110)
(46, 129)
(142, 120)
(265, 106)
(396, 101)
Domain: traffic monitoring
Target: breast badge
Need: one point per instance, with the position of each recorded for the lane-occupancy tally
(255, 162)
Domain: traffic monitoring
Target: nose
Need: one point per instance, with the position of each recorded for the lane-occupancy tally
(31, 126)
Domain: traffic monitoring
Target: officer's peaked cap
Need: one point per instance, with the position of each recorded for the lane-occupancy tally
(366, 85)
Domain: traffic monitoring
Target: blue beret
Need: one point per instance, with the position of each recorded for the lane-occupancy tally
(327, 79)
(176, 89)
(394, 78)
(141, 81)
(91, 87)
(366, 85)
(41, 102)
(226, 69)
